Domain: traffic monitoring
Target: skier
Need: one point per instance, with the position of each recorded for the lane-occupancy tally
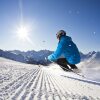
(67, 53)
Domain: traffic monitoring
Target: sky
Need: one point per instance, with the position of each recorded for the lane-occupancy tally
(42, 19)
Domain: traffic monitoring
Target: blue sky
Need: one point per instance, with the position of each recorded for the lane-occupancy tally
(79, 18)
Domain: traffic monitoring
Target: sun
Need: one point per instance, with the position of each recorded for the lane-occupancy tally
(22, 32)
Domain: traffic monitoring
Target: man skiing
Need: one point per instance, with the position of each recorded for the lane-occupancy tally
(66, 49)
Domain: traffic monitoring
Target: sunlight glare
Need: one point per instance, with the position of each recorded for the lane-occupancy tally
(23, 32)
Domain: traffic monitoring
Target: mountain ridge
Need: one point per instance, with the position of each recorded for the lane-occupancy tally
(38, 57)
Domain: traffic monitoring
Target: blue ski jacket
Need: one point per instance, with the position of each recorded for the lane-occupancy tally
(68, 49)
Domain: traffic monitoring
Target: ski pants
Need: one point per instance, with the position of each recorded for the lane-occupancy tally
(63, 62)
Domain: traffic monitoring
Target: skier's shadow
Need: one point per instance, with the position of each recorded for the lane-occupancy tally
(83, 80)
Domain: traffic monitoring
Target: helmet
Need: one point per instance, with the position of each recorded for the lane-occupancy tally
(60, 33)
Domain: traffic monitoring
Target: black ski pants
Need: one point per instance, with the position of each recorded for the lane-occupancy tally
(63, 62)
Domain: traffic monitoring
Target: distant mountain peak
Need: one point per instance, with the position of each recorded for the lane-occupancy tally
(91, 53)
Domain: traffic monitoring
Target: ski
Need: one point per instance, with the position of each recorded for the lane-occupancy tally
(70, 70)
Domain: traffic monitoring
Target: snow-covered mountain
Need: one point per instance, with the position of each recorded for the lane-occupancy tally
(38, 57)
(33, 57)
(90, 55)
(12, 56)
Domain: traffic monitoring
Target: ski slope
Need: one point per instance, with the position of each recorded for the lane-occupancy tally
(19, 81)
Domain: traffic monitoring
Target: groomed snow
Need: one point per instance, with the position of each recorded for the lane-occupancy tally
(19, 81)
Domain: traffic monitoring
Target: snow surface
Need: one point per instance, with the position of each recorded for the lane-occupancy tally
(19, 81)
